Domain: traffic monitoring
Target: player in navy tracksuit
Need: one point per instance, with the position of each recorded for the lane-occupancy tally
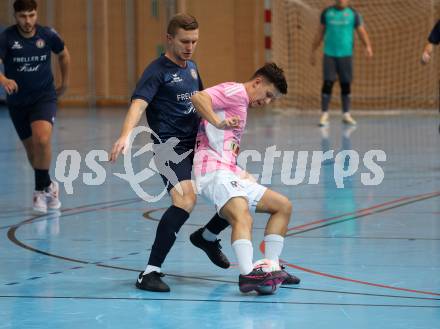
(164, 93)
(433, 39)
(25, 50)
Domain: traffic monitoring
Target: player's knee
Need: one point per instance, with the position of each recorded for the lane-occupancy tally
(243, 220)
(186, 201)
(327, 87)
(41, 140)
(345, 88)
(286, 206)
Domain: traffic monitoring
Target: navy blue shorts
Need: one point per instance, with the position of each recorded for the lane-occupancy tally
(182, 170)
(341, 67)
(22, 117)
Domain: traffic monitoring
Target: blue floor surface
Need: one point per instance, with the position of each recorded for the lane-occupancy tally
(368, 256)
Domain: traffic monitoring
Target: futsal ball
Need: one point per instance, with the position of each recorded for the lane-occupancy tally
(270, 286)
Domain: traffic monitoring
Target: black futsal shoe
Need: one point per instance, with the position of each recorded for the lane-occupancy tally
(258, 278)
(211, 248)
(152, 282)
(290, 278)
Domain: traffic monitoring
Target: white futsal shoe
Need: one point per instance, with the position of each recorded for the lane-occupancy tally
(39, 202)
(324, 120)
(52, 196)
(348, 119)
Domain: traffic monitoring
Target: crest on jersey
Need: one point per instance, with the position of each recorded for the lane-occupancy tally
(194, 74)
(40, 43)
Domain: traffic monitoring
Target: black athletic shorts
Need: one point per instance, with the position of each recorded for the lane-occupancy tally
(22, 117)
(182, 170)
(341, 67)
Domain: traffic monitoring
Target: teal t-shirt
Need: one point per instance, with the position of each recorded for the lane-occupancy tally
(339, 30)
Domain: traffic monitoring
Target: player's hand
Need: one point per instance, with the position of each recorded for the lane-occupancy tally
(119, 147)
(369, 52)
(426, 57)
(229, 123)
(61, 90)
(10, 86)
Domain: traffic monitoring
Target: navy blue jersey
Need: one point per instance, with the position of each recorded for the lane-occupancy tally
(167, 88)
(28, 62)
(434, 36)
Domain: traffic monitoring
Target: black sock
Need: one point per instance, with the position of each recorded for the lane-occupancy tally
(166, 233)
(325, 101)
(42, 179)
(217, 224)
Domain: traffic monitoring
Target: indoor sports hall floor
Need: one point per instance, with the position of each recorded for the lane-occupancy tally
(368, 256)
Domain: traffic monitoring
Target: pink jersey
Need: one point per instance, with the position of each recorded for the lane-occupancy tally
(218, 149)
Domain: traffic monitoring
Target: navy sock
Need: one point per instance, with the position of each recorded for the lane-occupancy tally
(217, 224)
(346, 102)
(170, 223)
(42, 179)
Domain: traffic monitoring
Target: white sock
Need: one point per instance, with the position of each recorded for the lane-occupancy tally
(208, 235)
(244, 252)
(151, 268)
(273, 246)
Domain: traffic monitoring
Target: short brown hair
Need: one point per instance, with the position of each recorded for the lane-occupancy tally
(25, 5)
(273, 74)
(182, 21)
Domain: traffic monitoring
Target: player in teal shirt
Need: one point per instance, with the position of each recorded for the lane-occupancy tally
(337, 27)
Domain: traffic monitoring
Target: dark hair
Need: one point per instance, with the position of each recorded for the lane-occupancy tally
(182, 21)
(25, 5)
(273, 74)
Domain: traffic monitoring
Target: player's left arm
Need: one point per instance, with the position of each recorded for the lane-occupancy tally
(58, 47)
(363, 35)
(64, 63)
(202, 102)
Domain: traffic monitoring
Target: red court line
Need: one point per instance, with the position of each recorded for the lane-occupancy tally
(360, 212)
(361, 282)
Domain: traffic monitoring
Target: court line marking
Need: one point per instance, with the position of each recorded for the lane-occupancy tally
(354, 216)
(218, 301)
(12, 237)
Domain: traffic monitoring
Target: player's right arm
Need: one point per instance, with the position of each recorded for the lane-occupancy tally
(317, 42)
(203, 104)
(134, 114)
(433, 39)
(9, 85)
(143, 94)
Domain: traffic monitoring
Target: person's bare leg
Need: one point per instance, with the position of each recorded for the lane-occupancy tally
(41, 144)
(280, 210)
(236, 211)
(28, 146)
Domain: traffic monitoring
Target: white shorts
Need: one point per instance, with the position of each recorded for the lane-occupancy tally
(220, 186)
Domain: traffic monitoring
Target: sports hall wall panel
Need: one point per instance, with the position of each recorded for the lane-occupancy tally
(112, 41)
